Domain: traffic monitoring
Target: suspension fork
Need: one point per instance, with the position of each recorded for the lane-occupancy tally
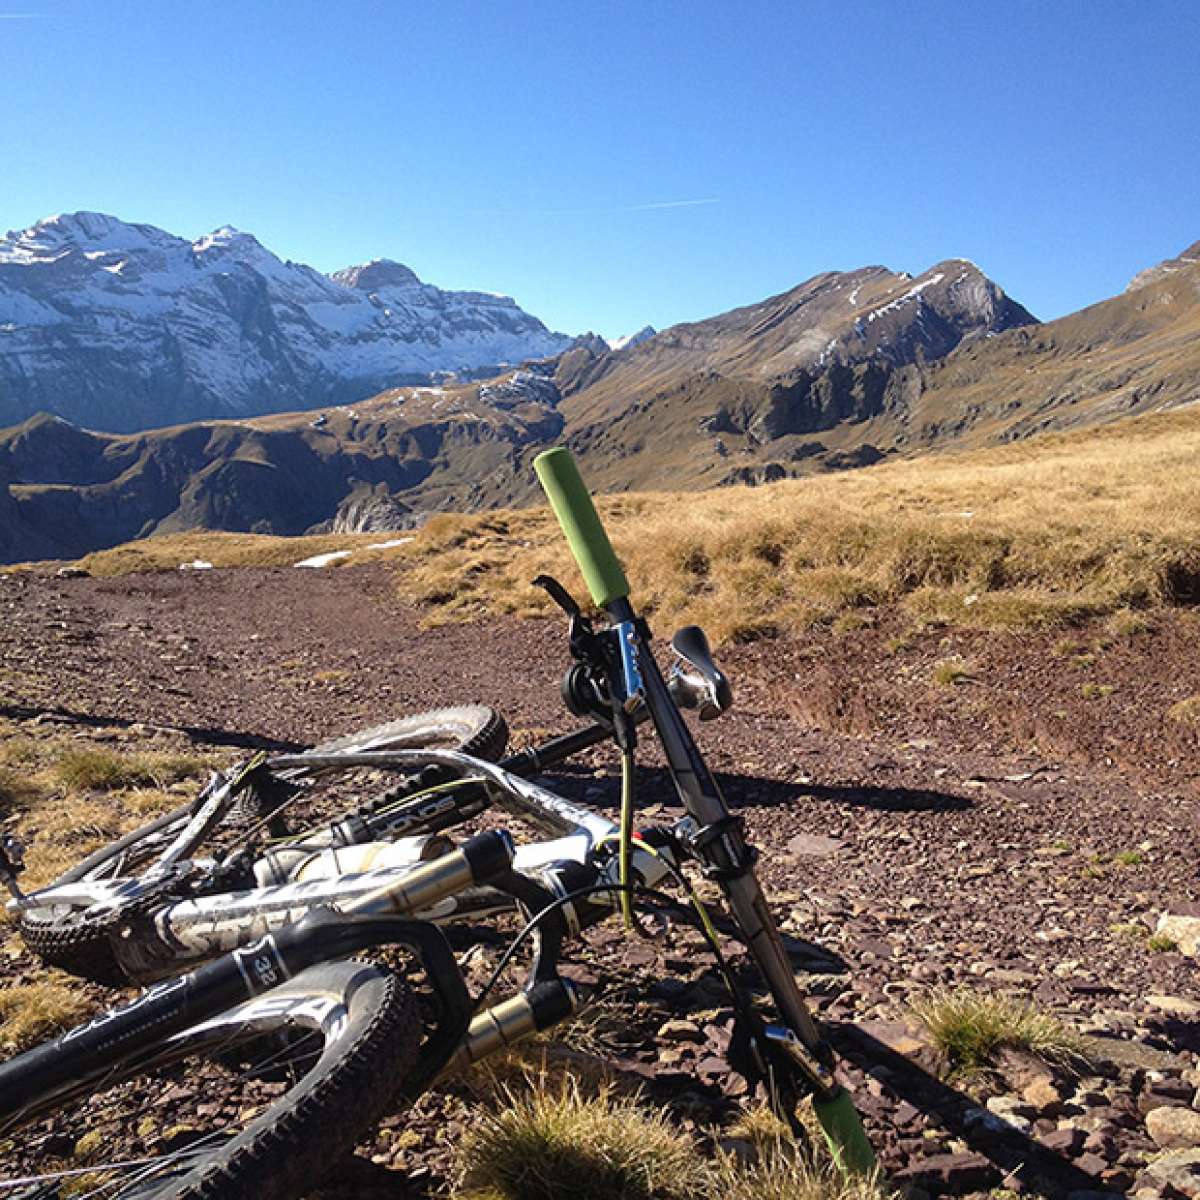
(722, 847)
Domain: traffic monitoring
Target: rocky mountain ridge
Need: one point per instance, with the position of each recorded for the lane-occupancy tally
(846, 370)
(123, 326)
(711, 400)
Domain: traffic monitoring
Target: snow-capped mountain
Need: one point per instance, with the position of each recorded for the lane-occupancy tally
(123, 326)
(632, 339)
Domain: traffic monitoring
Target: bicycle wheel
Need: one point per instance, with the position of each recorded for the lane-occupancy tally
(257, 1102)
(78, 941)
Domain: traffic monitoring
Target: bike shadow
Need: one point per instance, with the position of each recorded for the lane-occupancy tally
(1023, 1163)
(655, 786)
(202, 734)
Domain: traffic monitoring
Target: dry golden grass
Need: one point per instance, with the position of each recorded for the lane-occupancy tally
(1044, 533)
(549, 1138)
(950, 672)
(781, 1171)
(1186, 712)
(98, 769)
(166, 552)
(1126, 623)
(148, 802)
(546, 1142)
(17, 791)
(32, 1012)
(70, 797)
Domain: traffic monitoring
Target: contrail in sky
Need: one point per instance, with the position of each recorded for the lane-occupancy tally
(667, 204)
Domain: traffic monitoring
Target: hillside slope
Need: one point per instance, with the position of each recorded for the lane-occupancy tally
(704, 400)
(1134, 353)
(379, 465)
(718, 403)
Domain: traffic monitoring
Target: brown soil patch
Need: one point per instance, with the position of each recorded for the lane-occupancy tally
(989, 832)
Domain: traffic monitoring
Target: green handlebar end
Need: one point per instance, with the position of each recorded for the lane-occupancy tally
(572, 505)
(845, 1135)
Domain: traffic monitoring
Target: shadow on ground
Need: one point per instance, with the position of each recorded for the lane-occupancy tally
(654, 786)
(1018, 1160)
(205, 735)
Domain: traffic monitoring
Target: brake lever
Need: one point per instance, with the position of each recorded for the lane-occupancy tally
(708, 688)
(558, 594)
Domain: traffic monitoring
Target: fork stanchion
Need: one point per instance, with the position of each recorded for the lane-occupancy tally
(484, 858)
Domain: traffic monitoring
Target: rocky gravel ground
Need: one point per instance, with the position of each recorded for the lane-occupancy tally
(1026, 826)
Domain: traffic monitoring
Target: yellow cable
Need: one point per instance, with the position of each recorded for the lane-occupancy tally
(626, 837)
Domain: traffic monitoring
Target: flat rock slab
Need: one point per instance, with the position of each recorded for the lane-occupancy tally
(943, 1173)
(1175, 1006)
(896, 1036)
(1122, 1053)
(1174, 1128)
(1183, 931)
(814, 845)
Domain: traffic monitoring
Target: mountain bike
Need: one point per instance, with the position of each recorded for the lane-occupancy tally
(337, 1043)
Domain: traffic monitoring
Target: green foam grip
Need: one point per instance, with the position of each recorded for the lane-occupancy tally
(560, 480)
(845, 1134)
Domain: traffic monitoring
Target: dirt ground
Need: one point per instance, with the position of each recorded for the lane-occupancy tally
(1007, 811)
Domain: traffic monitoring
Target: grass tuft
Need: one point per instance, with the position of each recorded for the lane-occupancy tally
(969, 1028)
(1126, 623)
(951, 671)
(1162, 943)
(101, 770)
(550, 1139)
(781, 1171)
(549, 1142)
(1186, 712)
(1127, 931)
(17, 791)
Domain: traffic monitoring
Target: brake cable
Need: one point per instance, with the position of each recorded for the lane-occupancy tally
(531, 926)
(625, 847)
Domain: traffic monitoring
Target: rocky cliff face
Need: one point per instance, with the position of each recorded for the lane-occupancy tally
(716, 400)
(122, 327)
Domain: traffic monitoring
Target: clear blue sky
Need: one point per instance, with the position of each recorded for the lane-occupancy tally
(547, 150)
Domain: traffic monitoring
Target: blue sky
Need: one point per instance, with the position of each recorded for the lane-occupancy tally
(614, 164)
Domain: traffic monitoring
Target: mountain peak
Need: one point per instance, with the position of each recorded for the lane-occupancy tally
(82, 225)
(1187, 258)
(55, 236)
(378, 273)
(228, 240)
(633, 339)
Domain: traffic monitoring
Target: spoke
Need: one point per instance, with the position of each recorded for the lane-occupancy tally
(286, 1057)
(74, 1172)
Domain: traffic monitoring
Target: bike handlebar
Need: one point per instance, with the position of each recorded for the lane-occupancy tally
(572, 505)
